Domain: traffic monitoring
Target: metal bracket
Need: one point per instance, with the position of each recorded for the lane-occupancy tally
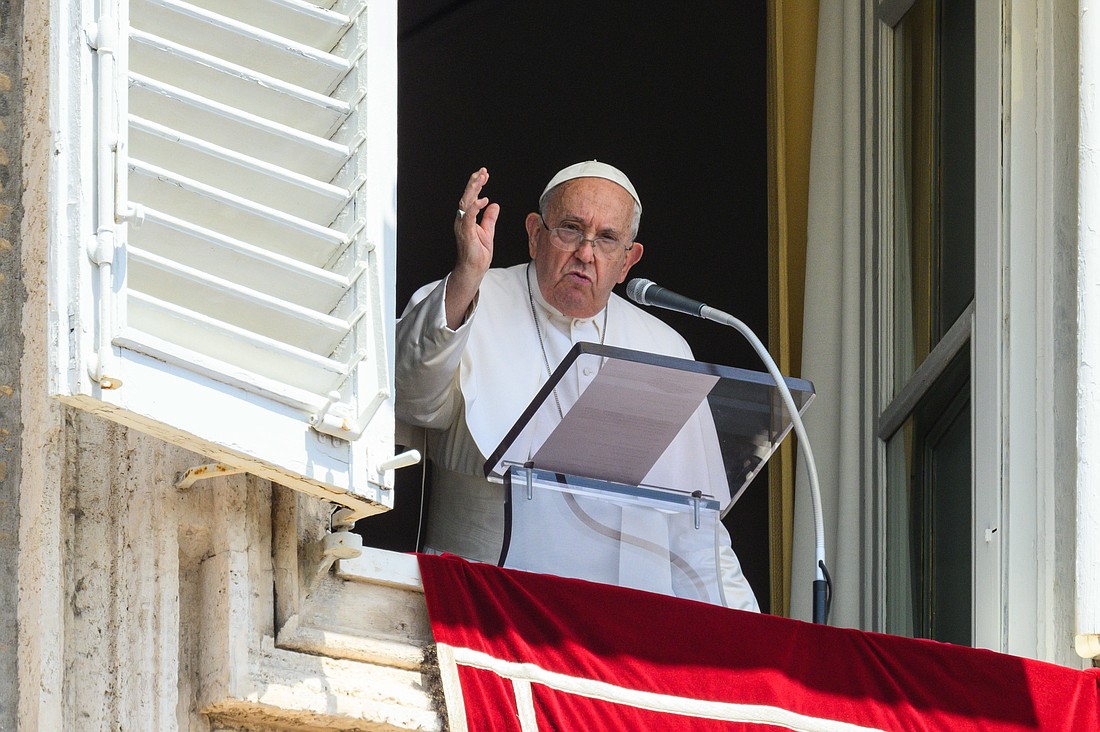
(187, 478)
(335, 546)
(340, 543)
(403, 460)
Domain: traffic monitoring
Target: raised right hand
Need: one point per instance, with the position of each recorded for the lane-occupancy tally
(474, 242)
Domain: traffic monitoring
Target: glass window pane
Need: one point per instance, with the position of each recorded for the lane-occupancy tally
(933, 174)
(928, 531)
(902, 607)
(913, 176)
(955, 269)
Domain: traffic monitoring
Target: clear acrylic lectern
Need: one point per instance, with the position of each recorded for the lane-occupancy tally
(627, 485)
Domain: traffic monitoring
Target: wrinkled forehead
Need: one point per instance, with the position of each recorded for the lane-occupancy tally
(594, 201)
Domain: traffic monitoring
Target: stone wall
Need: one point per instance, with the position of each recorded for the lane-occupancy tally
(40, 599)
(11, 346)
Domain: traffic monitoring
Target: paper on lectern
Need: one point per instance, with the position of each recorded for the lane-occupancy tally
(632, 412)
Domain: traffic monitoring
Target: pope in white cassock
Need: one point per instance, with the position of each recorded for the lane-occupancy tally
(474, 348)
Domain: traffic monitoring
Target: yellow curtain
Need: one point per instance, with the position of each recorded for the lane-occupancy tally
(792, 51)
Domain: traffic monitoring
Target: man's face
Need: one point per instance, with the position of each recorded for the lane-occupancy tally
(579, 283)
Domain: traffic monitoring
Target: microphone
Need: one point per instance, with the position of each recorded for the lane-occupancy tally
(648, 292)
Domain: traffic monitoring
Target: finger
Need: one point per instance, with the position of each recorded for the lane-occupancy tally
(469, 203)
(473, 187)
(467, 213)
(489, 218)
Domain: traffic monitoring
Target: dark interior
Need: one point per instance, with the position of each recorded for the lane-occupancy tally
(672, 94)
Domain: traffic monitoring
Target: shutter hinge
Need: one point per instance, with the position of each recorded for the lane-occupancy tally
(101, 251)
(103, 35)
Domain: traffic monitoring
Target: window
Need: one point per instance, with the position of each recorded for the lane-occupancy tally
(927, 310)
(223, 230)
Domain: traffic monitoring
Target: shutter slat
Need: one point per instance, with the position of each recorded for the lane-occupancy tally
(237, 85)
(243, 175)
(249, 351)
(260, 269)
(240, 43)
(234, 215)
(294, 19)
(236, 130)
(170, 353)
(243, 307)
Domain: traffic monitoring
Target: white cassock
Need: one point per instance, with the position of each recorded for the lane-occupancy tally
(469, 386)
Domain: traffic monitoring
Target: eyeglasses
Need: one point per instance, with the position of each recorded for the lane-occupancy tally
(569, 238)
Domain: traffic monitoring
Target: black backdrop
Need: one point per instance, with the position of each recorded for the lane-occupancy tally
(673, 94)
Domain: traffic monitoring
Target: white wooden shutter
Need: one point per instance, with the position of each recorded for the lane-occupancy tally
(230, 286)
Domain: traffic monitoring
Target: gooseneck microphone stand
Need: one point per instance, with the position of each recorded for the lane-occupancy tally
(645, 292)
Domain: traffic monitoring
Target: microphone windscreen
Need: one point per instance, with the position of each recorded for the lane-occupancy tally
(635, 290)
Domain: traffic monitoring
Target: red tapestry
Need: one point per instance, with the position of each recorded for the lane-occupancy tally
(523, 651)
